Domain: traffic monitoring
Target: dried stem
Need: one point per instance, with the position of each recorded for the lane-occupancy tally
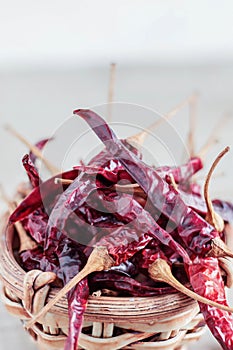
(219, 249)
(99, 260)
(131, 189)
(211, 217)
(52, 169)
(193, 122)
(112, 77)
(59, 180)
(226, 265)
(25, 242)
(161, 271)
(139, 138)
(173, 182)
(213, 138)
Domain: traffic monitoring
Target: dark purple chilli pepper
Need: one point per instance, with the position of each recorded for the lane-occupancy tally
(31, 171)
(195, 232)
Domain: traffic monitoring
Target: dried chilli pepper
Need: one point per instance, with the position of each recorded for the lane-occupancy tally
(151, 228)
(219, 322)
(113, 250)
(77, 304)
(195, 232)
(124, 285)
(182, 173)
(31, 171)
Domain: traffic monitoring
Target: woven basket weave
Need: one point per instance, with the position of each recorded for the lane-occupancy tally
(166, 322)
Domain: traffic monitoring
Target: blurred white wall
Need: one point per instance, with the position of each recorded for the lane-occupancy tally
(75, 33)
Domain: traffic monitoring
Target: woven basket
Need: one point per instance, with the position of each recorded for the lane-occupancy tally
(163, 322)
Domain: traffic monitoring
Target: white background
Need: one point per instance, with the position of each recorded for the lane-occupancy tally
(64, 33)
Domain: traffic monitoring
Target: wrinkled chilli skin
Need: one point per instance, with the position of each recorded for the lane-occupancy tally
(219, 322)
(195, 232)
(164, 197)
(67, 221)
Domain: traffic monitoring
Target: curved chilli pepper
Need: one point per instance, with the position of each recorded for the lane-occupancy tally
(77, 303)
(197, 203)
(31, 171)
(181, 173)
(35, 224)
(49, 189)
(195, 232)
(124, 285)
(71, 261)
(66, 259)
(42, 193)
(202, 271)
(40, 145)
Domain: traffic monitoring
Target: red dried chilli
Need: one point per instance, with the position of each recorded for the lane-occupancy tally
(183, 173)
(134, 242)
(39, 195)
(203, 271)
(195, 232)
(197, 203)
(77, 304)
(31, 171)
(188, 222)
(126, 286)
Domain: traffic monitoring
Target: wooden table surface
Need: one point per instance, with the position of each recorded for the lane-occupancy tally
(36, 102)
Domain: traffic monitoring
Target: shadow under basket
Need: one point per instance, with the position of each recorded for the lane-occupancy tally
(165, 322)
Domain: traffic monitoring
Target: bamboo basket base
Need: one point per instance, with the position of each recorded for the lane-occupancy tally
(96, 335)
(165, 322)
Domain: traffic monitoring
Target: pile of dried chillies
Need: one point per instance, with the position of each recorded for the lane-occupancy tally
(155, 235)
